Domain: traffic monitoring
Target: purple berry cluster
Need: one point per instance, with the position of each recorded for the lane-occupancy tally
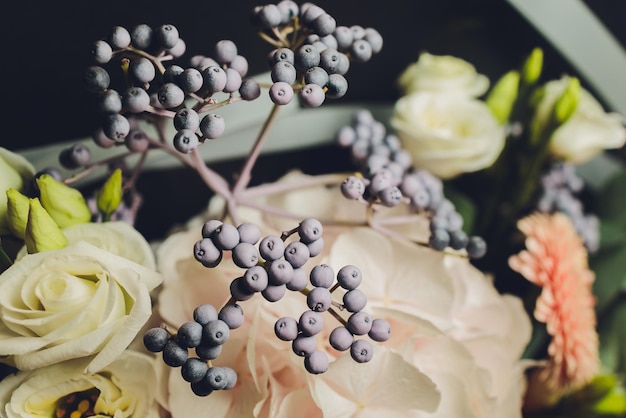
(302, 332)
(559, 188)
(150, 86)
(271, 267)
(206, 334)
(312, 53)
(387, 177)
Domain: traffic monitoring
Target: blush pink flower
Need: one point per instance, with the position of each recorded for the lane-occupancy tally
(556, 260)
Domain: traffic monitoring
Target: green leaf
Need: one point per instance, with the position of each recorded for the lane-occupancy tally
(614, 403)
(611, 202)
(612, 332)
(612, 234)
(610, 269)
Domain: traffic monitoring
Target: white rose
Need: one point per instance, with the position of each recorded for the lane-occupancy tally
(123, 389)
(69, 303)
(588, 132)
(448, 135)
(119, 238)
(443, 74)
(15, 172)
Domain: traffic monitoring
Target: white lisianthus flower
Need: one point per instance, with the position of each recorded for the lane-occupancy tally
(74, 302)
(448, 135)
(454, 350)
(588, 132)
(123, 389)
(443, 74)
(15, 172)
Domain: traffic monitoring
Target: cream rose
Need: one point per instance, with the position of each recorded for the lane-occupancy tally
(456, 343)
(119, 238)
(448, 135)
(588, 132)
(69, 303)
(443, 74)
(15, 172)
(123, 389)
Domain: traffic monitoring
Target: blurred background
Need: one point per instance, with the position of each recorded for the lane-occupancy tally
(47, 47)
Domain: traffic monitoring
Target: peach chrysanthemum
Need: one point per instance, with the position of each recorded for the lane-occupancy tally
(556, 260)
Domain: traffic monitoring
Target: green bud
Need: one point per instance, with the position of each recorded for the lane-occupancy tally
(17, 212)
(614, 403)
(567, 104)
(65, 204)
(503, 95)
(531, 70)
(42, 233)
(110, 195)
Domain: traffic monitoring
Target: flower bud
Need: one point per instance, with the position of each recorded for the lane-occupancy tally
(531, 70)
(17, 212)
(567, 104)
(42, 233)
(110, 195)
(15, 173)
(503, 95)
(65, 204)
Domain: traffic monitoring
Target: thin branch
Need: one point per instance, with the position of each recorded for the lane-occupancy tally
(245, 174)
(273, 188)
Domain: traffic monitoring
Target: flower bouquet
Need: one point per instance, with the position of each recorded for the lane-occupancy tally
(456, 266)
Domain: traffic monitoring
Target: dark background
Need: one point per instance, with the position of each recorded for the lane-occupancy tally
(46, 49)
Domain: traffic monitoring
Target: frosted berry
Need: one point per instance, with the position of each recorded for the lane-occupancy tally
(304, 345)
(359, 323)
(381, 330)
(310, 323)
(349, 277)
(319, 299)
(210, 226)
(174, 355)
(279, 271)
(274, 293)
(225, 237)
(207, 253)
(310, 229)
(286, 328)
(281, 93)
(354, 300)
(249, 232)
(271, 248)
(190, 334)
(322, 276)
(232, 315)
(215, 333)
(255, 279)
(362, 351)
(185, 141)
(204, 314)
(193, 370)
(316, 362)
(245, 255)
(299, 280)
(340, 338)
(297, 254)
(155, 339)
